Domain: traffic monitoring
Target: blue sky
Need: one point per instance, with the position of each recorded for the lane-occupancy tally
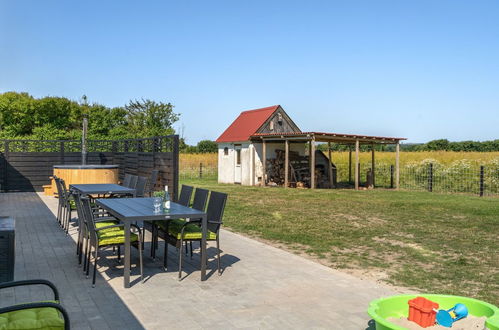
(416, 69)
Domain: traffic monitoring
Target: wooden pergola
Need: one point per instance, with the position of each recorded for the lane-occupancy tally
(313, 137)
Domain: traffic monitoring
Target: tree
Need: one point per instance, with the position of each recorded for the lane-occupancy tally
(442, 144)
(206, 146)
(150, 117)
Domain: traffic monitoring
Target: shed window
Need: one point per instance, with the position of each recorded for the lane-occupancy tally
(271, 126)
(238, 157)
(226, 151)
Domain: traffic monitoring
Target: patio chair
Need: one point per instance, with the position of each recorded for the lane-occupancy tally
(185, 195)
(59, 200)
(34, 315)
(140, 187)
(102, 221)
(133, 181)
(176, 233)
(153, 180)
(65, 206)
(107, 236)
(199, 203)
(126, 180)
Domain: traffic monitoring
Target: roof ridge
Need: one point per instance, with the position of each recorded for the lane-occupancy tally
(261, 109)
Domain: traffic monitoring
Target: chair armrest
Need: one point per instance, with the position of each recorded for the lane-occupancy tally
(102, 219)
(31, 282)
(216, 222)
(39, 305)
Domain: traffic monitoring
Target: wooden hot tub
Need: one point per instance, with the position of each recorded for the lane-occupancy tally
(77, 174)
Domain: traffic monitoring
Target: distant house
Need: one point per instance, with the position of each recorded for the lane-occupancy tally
(270, 134)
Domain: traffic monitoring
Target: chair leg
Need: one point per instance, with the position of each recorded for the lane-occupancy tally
(165, 257)
(59, 213)
(218, 256)
(119, 253)
(141, 237)
(85, 261)
(153, 243)
(88, 259)
(186, 249)
(96, 256)
(191, 248)
(180, 257)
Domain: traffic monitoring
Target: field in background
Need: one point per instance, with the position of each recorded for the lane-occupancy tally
(435, 243)
(191, 165)
(440, 171)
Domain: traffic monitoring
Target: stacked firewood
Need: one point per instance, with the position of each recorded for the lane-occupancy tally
(299, 171)
(275, 168)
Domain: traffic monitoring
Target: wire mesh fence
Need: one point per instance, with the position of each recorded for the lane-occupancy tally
(198, 171)
(459, 177)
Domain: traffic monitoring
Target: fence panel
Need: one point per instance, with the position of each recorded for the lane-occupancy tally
(26, 165)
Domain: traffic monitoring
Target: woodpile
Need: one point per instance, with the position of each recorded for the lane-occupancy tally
(299, 171)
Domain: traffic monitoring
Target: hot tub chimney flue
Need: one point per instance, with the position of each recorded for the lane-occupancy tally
(84, 141)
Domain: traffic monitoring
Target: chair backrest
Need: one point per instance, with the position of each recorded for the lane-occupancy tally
(215, 210)
(153, 180)
(79, 209)
(140, 187)
(200, 198)
(88, 218)
(185, 195)
(133, 181)
(64, 190)
(127, 179)
(60, 195)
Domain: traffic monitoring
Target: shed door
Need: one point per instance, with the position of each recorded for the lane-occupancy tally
(237, 164)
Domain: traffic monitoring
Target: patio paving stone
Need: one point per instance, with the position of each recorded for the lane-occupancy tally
(261, 286)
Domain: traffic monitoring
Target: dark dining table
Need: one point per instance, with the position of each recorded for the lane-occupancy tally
(130, 210)
(102, 189)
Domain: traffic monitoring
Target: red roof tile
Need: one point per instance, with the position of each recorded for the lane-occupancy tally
(246, 124)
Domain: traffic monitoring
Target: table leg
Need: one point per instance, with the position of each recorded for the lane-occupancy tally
(126, 271)
(204, 226)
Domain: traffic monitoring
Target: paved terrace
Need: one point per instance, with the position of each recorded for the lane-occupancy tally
(261, 286)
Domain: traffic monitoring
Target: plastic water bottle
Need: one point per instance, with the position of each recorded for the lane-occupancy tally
(167, 199)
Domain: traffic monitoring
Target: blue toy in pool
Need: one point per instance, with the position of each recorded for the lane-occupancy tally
(447, 317)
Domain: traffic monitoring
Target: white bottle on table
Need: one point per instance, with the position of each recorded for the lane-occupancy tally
(167, 199)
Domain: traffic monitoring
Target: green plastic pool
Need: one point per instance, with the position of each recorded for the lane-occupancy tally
(396, 306)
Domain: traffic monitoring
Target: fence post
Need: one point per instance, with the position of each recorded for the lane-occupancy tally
(6, 166)
(482, 170)
(430, 177)
(200, 170)
(391, 176)
(61, 150)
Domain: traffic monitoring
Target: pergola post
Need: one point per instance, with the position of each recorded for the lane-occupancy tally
(286, 163)
(373, 166)
(264, 162)
(349, 164)
(357, 164)
(397, 165)
(330, 165)
(312, 163)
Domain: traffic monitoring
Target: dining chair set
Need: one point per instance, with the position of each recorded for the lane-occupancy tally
(98, 229)
(176, 232)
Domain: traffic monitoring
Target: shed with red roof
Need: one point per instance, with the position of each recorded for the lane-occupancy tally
(264, 146)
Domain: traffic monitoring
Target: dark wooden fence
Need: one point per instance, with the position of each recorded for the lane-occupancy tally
(26, 165)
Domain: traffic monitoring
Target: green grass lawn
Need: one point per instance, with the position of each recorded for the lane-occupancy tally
(434, 243)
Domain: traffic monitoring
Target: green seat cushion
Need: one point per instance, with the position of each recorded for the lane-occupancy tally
(72, 204)
(45, 318)
(191, 231)
(102, 224)
(114, 236)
